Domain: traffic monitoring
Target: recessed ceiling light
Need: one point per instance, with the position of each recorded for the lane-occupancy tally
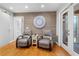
(26, 6)
(10, 7)
(42, 6)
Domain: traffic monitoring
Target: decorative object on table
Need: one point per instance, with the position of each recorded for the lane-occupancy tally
(39, 22)
(34, 39)
(45, 41)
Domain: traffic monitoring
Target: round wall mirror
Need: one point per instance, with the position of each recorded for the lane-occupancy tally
(39, 22)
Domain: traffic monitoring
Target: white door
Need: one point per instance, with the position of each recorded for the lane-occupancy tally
(4, 28)
(18, 26)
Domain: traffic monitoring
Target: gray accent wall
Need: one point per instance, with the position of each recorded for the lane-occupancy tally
(50, 18)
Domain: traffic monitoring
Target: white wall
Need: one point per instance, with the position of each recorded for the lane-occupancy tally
(6, 27)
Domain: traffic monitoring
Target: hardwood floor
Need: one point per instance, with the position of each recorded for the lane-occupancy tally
(11, 50)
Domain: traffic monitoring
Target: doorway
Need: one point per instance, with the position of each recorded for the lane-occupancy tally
(18, 26)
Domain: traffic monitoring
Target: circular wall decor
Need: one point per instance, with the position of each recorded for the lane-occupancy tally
(39, 22)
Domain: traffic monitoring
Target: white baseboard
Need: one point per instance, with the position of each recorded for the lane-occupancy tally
(7, 43)
(57, 43)
(12, 41)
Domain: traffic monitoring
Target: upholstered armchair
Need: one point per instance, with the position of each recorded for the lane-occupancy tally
(24, 40)
(45, 41)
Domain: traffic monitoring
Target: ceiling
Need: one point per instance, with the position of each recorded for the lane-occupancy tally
(32, 7)
(76, 7)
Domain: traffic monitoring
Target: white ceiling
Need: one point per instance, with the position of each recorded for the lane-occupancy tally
(32, 7)
(76, 7)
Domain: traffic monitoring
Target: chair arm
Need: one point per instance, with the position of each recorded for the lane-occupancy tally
(38, 39)
(50, 45)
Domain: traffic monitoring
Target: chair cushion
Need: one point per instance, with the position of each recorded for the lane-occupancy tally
(44, 41)
(22, 42)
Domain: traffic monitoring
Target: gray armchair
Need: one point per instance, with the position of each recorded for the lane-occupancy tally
(45, 41)
(24, 40)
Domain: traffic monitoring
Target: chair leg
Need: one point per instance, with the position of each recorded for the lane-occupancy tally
(38, 44)
(50, 49)
(50, 46)
(16, 44)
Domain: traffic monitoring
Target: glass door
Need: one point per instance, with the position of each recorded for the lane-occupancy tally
(76, 28)
(65, 28)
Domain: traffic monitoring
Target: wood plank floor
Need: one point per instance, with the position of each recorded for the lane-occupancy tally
(11, 50)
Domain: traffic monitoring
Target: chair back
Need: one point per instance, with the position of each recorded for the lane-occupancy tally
(47, 34)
